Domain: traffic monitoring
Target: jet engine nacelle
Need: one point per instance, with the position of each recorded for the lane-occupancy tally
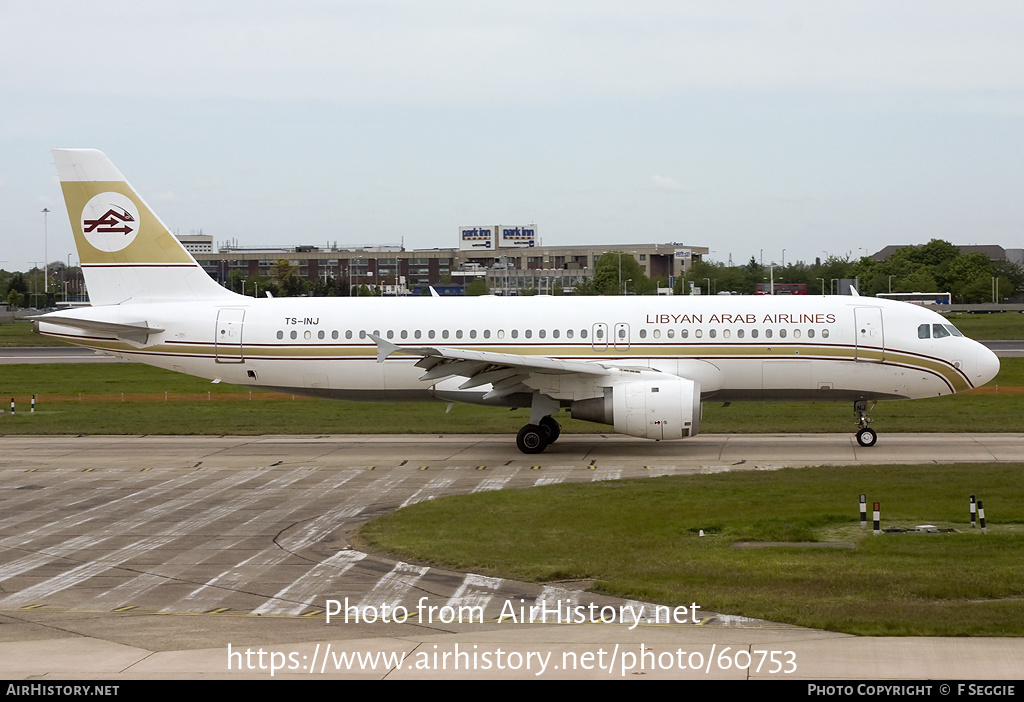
(663, 408)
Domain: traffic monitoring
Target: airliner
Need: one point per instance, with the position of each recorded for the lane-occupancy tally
(642, 365)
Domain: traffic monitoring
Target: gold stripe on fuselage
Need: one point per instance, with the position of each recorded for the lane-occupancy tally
(952, 376)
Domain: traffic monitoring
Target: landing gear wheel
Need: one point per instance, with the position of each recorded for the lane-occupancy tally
(531, 439)
(551, 429)
(867, 437)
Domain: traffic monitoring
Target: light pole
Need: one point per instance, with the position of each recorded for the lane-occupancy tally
(46, 254)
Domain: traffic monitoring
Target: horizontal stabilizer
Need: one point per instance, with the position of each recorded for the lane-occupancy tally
(139, 332)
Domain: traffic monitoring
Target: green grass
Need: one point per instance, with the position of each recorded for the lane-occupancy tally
(998, 325)
(639, 539)
(957, 413)
(21, 334)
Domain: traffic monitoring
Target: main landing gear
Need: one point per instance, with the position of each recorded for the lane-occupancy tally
(534, 438)
(866, 436)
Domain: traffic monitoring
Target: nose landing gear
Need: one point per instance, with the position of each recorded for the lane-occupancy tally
(866, 436)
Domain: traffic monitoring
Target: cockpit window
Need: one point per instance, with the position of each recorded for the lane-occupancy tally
(953, 330)
(939, 331)
(924, 331)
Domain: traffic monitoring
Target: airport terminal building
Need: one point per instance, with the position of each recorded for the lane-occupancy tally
(509, 258)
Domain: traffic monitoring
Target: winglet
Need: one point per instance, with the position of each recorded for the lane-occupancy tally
(433, 293)
(384, 348)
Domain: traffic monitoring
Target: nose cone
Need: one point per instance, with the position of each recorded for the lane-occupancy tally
(986, 366)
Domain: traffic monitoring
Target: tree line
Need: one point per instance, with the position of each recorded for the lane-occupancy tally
(937, 266)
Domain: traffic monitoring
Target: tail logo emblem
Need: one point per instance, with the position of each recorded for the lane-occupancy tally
(110, 221)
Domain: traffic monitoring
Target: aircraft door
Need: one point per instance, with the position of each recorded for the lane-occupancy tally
(228, 339)
(869, 334)
(599, 337)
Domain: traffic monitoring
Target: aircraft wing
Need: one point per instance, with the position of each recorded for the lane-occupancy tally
(139, 332)
(506, 373)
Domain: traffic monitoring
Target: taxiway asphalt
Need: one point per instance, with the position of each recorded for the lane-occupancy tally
(146, 557)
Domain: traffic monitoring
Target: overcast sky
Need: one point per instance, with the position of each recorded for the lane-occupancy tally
(815, 127)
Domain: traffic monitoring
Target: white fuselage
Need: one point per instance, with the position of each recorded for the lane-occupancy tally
(736, 347)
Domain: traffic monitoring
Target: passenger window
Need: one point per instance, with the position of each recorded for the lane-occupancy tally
(643, 333)
(405, 333)
(796, 333)
(810, 333)
(824, 333)
(280, 335)
(683, 333)
(348, 334)
(472, 333)
(444, 333)
(334, 334)
(487, 333)
(320, 334)
(541, 333)
(417, 334)
(515, 333)
(501, 333)
(568, 333)
(698, 333)
(430, 334)
(713, 333)
(924, 332)
(739, 333)
(294, 335)
(458, 334)
(554, 333)
(583, 333)
(529, 333)
(671, 333)
(782, 333)
(753, 333)
(767, 333)
(726, 333)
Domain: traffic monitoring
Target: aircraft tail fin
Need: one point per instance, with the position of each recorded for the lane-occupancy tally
(127, 253)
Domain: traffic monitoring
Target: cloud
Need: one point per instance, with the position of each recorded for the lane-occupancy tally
(670, 185)
(456, 52)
